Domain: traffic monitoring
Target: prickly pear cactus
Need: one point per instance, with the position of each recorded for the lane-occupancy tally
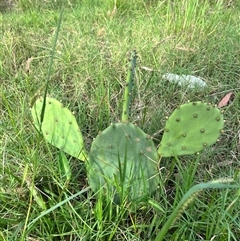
(191, 128)
(59, 127)
(123, 161)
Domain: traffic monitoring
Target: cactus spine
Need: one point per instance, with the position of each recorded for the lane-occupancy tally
(128, 91)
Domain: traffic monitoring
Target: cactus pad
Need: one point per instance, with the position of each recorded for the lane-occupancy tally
(123, 154)
(191, 128)
(59, 127)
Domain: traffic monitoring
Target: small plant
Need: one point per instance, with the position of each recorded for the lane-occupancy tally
(123, 159)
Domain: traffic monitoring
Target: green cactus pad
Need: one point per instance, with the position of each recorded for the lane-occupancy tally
(123, 154)
(191, 128)
(59, 127)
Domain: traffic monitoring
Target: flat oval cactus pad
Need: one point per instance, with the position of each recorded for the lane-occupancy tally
(123, 161)
(191, 128)
(59, 127)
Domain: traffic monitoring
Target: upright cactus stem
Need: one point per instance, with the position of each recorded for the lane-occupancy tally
(129, 86)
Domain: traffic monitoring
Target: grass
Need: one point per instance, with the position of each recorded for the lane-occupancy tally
(182, 37)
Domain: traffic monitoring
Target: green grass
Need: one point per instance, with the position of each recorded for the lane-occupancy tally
(88, 73)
